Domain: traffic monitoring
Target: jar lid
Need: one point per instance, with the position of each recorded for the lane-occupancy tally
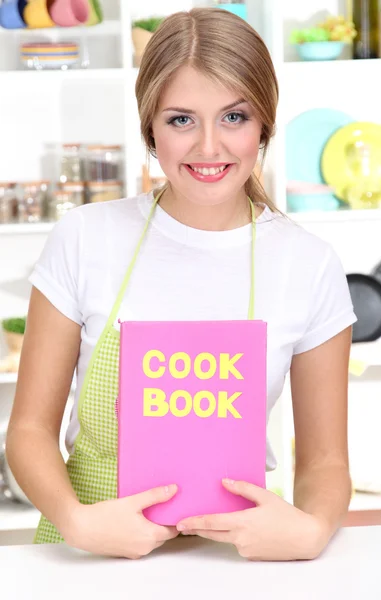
(102, 184)
(74, 145)
(34, 183)
(73, 185)
(103, 147)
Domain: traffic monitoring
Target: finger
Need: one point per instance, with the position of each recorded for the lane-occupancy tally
(216, 536)
(219, 522)
(163, 533)
(155, 496)
(250, 491)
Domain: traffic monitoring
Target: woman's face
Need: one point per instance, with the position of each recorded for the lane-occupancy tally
(203, 125)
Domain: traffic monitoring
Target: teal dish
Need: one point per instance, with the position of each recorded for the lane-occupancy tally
(306, 137)
(237, 9)
(311, 202)
(320, 50)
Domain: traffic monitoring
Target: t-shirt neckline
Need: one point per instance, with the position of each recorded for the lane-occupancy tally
(189, 236)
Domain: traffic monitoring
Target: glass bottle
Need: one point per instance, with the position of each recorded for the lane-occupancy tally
(30, 207)
(71, 163)
(103, 163)
(7, 202)
(366, 18)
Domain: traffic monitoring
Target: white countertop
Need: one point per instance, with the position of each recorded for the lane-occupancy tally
(191, 568)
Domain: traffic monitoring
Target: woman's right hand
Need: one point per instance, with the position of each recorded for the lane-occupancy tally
(118, 527)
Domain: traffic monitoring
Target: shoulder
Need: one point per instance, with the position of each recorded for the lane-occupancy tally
(92, 221)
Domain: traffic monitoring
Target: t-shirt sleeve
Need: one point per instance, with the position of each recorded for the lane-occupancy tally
(331, 305)
(57, 272)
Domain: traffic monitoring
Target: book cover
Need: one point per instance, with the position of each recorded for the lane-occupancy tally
(191, 411)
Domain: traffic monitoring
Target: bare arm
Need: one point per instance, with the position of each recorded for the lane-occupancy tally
(319, 383)
(48, 360)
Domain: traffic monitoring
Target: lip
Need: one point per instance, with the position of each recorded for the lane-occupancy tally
(208, 178)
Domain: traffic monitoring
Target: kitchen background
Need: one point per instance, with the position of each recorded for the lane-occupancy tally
(70, 134)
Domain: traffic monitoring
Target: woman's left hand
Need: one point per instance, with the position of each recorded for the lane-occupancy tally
(272, 530)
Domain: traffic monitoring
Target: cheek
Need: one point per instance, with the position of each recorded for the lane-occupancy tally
(171, 148)
(249, 145)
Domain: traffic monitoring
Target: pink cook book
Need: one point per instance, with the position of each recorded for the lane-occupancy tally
(191, 411)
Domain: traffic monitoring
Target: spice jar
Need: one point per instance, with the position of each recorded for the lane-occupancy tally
(101, 191)
(76, 191)
(8, 202)
(71, 163)
(60, 203)
(103, 163)
(32, 204)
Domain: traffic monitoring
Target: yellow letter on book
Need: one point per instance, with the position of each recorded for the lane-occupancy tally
(227, 366)
(154, 399)
(225, 405)
(147, 367)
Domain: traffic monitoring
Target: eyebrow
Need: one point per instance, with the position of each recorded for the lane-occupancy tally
(192, 112)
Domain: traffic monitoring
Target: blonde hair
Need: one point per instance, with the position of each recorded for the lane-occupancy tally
(224, 48)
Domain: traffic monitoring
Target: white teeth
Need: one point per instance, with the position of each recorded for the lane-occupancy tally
(205, 171)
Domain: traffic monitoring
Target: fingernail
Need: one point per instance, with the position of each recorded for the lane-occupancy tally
(169, 489)
(181, 528)
(229, 481)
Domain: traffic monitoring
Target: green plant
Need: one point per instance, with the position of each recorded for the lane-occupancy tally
(14, 325)
(150, 24)
(333, 29)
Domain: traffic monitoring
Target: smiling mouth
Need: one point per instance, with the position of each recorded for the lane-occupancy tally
(209, 170)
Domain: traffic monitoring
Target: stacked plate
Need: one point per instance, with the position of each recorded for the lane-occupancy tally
(46, 55)
(326, 147)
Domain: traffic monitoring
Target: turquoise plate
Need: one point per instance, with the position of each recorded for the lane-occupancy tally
(306, 137)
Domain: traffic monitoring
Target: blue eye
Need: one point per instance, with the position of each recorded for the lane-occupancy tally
(241, 117)
(179, 121)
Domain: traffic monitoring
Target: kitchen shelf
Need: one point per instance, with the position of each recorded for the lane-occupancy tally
(339, 67)
(22, 228)
(16, 516)
(8, 378)
(368, 353)
(29, 76)
(335, 216)
(365, 501)
(107, 27)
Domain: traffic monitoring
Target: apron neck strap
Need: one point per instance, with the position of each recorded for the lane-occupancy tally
(137, 250)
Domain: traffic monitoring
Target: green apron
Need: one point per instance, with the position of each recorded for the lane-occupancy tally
(92, 467)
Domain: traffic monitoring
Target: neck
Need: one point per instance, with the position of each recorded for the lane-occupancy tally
(231, 214)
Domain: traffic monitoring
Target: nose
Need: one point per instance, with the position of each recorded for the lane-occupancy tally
(209, 140)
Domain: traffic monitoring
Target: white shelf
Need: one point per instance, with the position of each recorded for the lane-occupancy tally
(26, 228)
(16, 516)
(365, 501)
(8, 378)
(368, 353)
(107, 27)
(335, 216)
(29, 76)
(341, 67)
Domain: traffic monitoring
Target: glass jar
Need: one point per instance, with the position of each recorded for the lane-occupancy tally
(76, 191)
(103, 163)
(101, 191)
(60, 203)
(71, 163)
(8, 202)
(32, 203)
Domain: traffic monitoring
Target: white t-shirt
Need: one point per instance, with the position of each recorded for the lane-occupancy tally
(188, 274)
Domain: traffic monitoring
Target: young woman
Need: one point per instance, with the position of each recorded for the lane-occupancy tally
(207, 96)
